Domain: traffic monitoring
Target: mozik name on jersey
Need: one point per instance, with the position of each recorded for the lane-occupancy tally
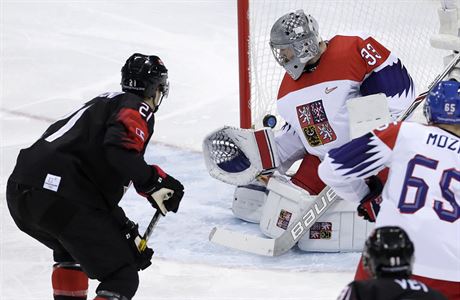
(443, 141)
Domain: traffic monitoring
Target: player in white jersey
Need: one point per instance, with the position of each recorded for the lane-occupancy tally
(321, 77)
(422, 193)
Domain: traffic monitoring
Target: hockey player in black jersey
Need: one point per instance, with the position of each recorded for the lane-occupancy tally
(388, 255)
(65, 188)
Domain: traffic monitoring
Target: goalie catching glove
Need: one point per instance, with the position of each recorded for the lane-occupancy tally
(163, 191)
(239, 156)
(370, 204)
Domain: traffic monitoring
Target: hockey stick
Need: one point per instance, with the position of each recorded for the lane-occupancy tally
(281, 244)
(423, 95)
(287, 240)
(148, 232)
(165, 194)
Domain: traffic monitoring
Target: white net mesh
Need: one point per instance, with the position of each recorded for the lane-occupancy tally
(403, 26)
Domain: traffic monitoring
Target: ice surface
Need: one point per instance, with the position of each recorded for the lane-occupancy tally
(56, 55)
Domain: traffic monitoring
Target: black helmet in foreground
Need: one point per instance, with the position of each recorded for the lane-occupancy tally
(143, 75)
(389, 252)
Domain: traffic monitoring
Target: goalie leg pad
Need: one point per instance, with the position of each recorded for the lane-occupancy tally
(285, 202)
(248, 202)
(69, 281)
(340, 229)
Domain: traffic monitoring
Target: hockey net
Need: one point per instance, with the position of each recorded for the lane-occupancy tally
(403, 26)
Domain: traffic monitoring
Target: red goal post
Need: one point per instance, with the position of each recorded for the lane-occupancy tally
(403, 26)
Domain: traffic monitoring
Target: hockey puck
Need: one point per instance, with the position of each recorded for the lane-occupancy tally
(269, 121)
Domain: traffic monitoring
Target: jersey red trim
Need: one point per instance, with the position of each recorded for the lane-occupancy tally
(265, 149)
(450, 289)
(346, 58)
(373, 54)
(160, 171)
(388, 133)
(136, 129)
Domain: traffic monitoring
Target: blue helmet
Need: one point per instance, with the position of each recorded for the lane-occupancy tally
(442, 105)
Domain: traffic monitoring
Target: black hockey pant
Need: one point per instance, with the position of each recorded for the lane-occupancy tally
(76, 233)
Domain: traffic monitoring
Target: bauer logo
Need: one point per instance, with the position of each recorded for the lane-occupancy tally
(312, 214)
(321, 230)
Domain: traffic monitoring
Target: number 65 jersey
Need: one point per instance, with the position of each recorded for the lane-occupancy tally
(421, 195)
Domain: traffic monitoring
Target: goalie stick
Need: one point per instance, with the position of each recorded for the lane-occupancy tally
(423, 95)
(287, 240)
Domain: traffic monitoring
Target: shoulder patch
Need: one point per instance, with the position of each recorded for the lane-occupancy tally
(136, 129)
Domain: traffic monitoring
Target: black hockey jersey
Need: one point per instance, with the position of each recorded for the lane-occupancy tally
(389, 289)
(91, 155)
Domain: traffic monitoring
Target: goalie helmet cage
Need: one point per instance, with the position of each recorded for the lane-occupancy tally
(403, 26)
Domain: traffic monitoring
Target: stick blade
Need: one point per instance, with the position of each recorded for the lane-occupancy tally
(243, 242)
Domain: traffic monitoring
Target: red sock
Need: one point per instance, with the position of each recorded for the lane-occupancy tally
(69, 282)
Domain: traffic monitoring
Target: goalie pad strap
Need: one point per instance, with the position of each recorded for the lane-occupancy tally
(265, 149)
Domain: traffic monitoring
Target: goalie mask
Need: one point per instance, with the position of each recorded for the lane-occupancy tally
(442, 105)
(389, 252)
(294, 40)
(143, 75)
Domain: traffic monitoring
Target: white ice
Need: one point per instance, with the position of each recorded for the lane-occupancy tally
(57, 54)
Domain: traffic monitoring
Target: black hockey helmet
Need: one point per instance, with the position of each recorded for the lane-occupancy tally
(143, 75)
(388, 252)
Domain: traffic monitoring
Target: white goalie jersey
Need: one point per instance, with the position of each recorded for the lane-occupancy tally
(314, 106)
(421, 195)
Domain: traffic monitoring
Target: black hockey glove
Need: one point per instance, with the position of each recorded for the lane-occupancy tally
(142, 257)
(164, 192)
(370, 204)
